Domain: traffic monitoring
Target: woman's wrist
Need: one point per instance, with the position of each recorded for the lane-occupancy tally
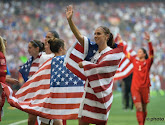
(69, 19)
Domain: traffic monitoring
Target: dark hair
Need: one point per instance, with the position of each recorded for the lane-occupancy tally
(56, 44)
(55, 34)
(37, 43)
(145, 52)
(110, 41)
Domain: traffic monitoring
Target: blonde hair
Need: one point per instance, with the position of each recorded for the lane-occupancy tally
(2, 46)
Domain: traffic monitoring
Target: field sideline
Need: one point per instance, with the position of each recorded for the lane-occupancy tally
(117, 115)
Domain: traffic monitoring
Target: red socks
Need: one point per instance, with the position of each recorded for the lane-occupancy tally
(140, 117)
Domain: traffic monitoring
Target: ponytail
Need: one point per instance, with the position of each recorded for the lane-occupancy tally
(145, 52)
(56, 44)
(36, 43)
(2, 46)
(110, 41)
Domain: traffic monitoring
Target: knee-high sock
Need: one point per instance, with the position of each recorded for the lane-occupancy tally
(145, 115)
(140, 117)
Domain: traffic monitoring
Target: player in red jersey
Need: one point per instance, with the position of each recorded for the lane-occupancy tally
(3, 71)
(141, 81)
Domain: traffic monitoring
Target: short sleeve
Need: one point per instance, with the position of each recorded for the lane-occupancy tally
(90, 48)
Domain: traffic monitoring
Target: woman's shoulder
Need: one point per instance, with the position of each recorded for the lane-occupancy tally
(88, 40)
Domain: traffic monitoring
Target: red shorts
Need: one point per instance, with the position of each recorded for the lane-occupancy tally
(140, 95)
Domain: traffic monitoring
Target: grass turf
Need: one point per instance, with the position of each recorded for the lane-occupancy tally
(117, 116)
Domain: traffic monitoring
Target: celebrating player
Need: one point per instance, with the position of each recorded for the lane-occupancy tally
(140, 80)
(100, 65)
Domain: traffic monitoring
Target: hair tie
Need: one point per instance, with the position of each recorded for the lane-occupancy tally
(35, 43)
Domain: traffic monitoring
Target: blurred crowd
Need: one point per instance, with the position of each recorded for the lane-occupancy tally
(21, 22)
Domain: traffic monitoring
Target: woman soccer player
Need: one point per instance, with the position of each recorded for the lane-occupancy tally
(140, 80)
(35, 49)
(100, 67)
(57, 47)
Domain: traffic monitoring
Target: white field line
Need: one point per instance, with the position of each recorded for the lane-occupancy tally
(17, 123)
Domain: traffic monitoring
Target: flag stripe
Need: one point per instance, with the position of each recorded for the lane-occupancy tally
(100, 94)
(76, 72)
(98, 89)
(79, 48)
(97, 103)
(28, 84)
(101, 100)
(102, 88)
(35, 64)
(92, 120)
(33, 90)
(101, 76)
(53, 101)
(105, 63)
(57, 106)
(125, 66)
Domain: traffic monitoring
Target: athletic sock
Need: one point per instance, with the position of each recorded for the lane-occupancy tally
(140, 117)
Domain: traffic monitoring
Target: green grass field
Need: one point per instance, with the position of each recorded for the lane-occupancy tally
(156, 109)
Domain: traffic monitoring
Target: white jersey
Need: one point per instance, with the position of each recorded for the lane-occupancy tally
(45, 57)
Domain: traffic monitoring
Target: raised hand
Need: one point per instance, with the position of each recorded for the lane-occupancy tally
(119, 38)
(69, 12)
(80, 64)
(147, 36)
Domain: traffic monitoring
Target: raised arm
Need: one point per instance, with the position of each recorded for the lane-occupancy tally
(151, 52)
(76, 32)
(127, 53)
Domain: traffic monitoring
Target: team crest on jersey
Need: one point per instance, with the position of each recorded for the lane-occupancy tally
(2, 62)
(134, 97)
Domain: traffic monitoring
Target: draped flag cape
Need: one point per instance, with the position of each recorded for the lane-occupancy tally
(97, 98)
(30, 67)
(53, 92)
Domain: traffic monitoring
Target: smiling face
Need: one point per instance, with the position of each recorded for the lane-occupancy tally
(100, 36)
(49, 36)
(141, 54)
(32, 50)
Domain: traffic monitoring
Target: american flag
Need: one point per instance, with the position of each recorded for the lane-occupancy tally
(97, 98)
(60, 100)
(30, 67)
(25, 68)
(125, 66)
